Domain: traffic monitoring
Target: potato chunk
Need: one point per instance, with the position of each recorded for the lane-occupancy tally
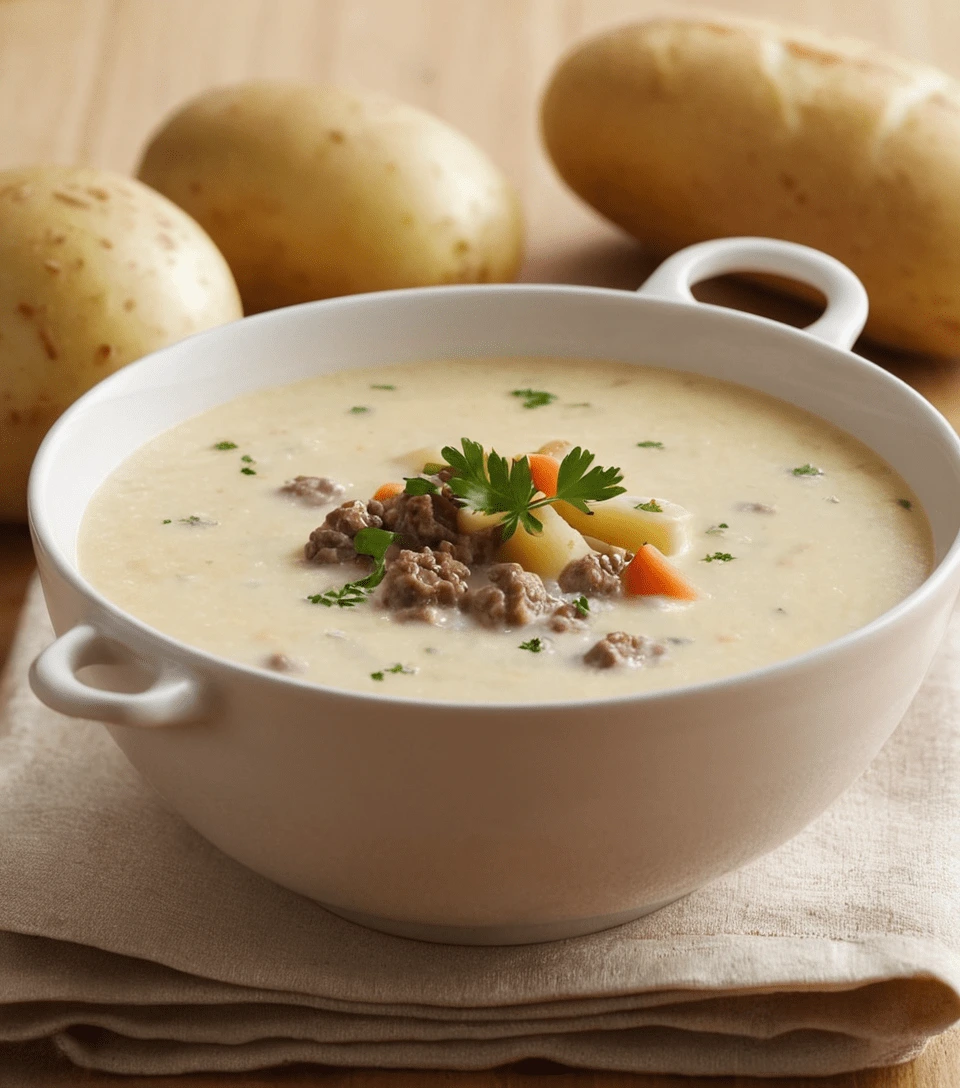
(621, 522)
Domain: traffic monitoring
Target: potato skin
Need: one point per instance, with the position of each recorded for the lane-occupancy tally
(96, 270)
(681, 130)
(313, 191)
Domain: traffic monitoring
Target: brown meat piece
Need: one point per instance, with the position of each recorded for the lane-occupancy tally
(595, 575)
(567, 618)
(514, 598)
(313, 490)
(332, 542)
(417, 584)
(619, 648)
(430, 521)
(756, 508)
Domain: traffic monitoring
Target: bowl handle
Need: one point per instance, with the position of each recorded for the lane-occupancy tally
(839, 325)
(173, 697)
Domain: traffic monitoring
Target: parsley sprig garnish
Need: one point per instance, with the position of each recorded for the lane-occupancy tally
(582, 605)
(719, 557)
(420, 485)
(534, 645)
(651, 507)
(369, 541)
(503, 487)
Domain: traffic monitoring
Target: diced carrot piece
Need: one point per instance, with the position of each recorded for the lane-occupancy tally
(544, 470)
(651, 574)
(387, 491)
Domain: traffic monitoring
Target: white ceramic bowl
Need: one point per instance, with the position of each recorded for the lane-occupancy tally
(501, 823)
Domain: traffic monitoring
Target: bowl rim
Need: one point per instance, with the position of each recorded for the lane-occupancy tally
(170, 648)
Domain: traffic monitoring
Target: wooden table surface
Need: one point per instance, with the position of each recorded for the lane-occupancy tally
(86, 80)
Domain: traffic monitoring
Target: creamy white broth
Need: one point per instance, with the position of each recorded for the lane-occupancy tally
(841, 548)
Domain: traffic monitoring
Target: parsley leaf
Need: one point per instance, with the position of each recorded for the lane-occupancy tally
(534, 398)
(651, 507)
(417, 485)
(582, 605)
(648, 445)
(359, 409)
(369, 541)
(380, 673)
(534, 645)
(905, 503)
(247, 471)
(247, 459)
(166, 521)
(807, 470)
(718, 557)
(224, 445)
(504, 487)
(377, 675)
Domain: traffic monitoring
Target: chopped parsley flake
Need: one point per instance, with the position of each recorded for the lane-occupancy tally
(194, 519)
(418, 485)
(380, 673)
(582, 605)
(359, 409)
(390, 388)
(247, 471)
(166, 521)
(534, 645)
(248, 459)
(905, 503)
(651, 507)
(718, 557)
(224, 445)
(717, 530)
(534, 398)
(807, 470)
(650, 445)
(370, 541)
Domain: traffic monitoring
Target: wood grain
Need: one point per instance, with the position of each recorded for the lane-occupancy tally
(87, 80)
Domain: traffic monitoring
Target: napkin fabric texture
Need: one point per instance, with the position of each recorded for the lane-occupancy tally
(138, 948)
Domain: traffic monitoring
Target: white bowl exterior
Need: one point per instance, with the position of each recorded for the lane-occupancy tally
(522, 816)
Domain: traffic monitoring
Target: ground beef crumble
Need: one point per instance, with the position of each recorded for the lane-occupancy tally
(430, 521)
(620, 648)
(595, 575)
(313, 490)
(514, 598)
(419, 583)
(332, 542)
(567, 617)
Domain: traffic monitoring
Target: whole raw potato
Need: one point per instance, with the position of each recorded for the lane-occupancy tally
(96, 270)
(682, 129)
(314, 191)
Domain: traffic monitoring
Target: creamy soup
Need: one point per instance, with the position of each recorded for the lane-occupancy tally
(794, 532)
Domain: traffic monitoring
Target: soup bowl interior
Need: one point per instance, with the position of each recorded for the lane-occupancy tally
(503, 823)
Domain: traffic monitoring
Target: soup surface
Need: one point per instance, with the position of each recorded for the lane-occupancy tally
(797, 532)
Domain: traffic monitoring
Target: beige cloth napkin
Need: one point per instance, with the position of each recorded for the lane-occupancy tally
(138, 948)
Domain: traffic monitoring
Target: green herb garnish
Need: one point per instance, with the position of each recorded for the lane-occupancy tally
(359, 409)
(417, 485)
(651, 507)
(650, 445)
(807, 470)
(431, 468)
(248, 459)
(369, 541)
(224, 445)
(247, 471)
(718, 557)
(582, 605)
(717, 530)
(534, 645)
(905, 503)
(390, 388)
(534, 398)
(502, 487)
(194, 519)
(380, 673)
